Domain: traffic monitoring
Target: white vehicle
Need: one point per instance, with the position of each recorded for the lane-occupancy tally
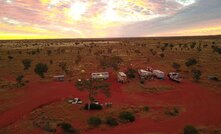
(100, 75)
(159, 74)
(174, 76)
(144, 74)
(59, 77)
(121, 77)
(96, 102)
(75, 101)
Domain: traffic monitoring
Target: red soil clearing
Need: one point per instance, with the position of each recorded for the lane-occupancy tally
(202, 106)
(37, 95)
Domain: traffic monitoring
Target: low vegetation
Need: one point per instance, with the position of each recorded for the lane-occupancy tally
(93, 87)
(112, 61)
(189, 129)
(94, 121)
(172, 111)
(131, 73)
(146, 108)
(111, 121)
(67, 128)
(26, 63)
(176, 66)
(126, 116)
(191, 62)
(41, 69)
(196, 74)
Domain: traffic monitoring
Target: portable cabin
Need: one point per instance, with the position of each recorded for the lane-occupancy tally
(121, 77)
(159, 74)
(59, 77)
(144, 74)
(100, 75)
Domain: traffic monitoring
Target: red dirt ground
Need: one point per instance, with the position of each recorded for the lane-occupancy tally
(202, 106)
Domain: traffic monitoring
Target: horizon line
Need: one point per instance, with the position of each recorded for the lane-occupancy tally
(102, 38)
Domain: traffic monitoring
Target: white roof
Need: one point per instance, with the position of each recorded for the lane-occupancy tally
(158, 71)
(58, 76)
(143, 71)
(100, 73)
(122, 74)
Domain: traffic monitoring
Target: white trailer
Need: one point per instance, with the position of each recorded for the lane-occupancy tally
(121, 77)
(144, 74)
(159, 74)
(59, 77)
(100, 75)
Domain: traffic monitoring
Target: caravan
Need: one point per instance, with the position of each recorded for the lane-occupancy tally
(159, 74)
(121, 77)
(100, 75)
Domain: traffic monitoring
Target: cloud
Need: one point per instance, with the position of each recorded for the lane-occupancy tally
(192, 16)
(108, 18)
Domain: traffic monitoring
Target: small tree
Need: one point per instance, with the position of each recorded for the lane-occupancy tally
(49, 52)
(51, 61)
(191, 62)
(111, 121)
(176, 66)
(112, 61)
(10, 57)
(131, 73)
(19, 78)
(67, 127)
(127, 116)
(26, 63)
(146, 108)
(63, 66)
(40, 69)
(196, 74)
(92, 87)
(78, 59)
(190, 130)
(162, 55)
(94, 121)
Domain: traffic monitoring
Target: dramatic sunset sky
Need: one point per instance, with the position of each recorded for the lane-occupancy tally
(31, 19)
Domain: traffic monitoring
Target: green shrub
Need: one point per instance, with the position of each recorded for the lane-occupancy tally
(146, 108)
(111, 121)
(172, 112)
(49, 52)
(112, 61)
(40, 69)
(162, 55)
(176, 66)
(26, 63)
(190, 130)
(10, 57)
(191, 62)
(67, 128)
(127, 116)
(48, 127)
(94, 121)
(19, 78)
(196, 74)
(131, 73)
(51, 61)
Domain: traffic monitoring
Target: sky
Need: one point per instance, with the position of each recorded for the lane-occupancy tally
(45, 19)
